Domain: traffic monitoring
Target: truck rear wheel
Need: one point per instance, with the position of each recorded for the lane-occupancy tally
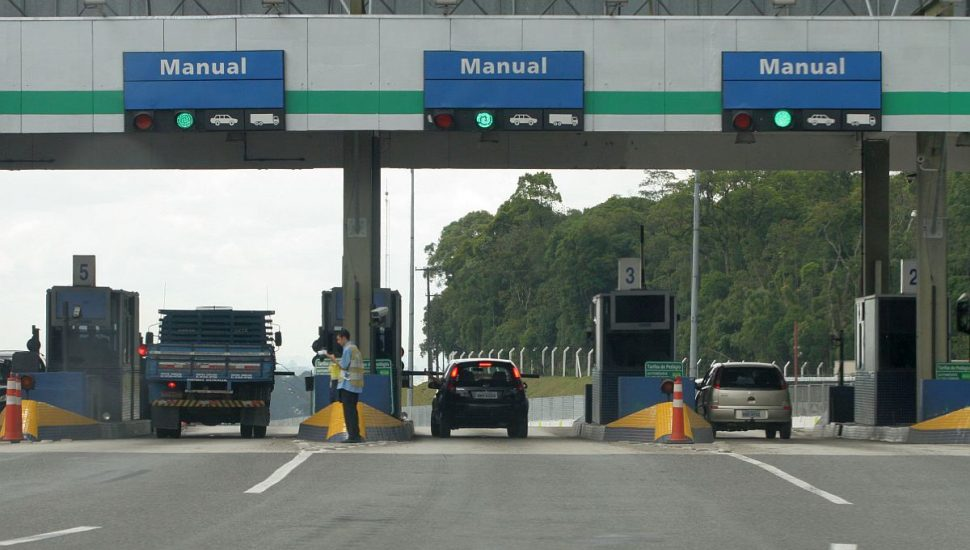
(246, 431)
(259, 432)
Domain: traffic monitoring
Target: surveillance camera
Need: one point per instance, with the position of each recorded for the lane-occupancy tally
(378, 313)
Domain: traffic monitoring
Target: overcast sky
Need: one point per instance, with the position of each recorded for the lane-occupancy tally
(247, 239)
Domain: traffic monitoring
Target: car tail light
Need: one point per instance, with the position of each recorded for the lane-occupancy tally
(171, 385)
(142, 350)
(484, 365)
(517, 376)
(452, 377)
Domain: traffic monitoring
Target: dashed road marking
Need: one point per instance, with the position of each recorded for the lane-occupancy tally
(280, 473)
(51, 535)
(835, 499)
(841, 546)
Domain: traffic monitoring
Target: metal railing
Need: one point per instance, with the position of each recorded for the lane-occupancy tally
(559, 411)
(576, 361)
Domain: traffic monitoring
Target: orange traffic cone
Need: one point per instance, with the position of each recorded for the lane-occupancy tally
(677, 414)
(13, 430)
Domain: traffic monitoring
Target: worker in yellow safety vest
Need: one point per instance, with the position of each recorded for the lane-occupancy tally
(351, 383)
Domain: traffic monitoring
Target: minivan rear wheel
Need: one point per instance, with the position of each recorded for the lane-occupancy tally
(770, 433)
(785, 430)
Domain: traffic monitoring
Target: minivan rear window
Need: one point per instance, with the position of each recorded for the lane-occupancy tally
(760, 378)
(484, 373)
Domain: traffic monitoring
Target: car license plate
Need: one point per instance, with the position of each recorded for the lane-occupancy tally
(485, 394)
(751, 414)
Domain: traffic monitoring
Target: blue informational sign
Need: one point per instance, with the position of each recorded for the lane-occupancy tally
(802, 80)
(472, 80)
(203, 80)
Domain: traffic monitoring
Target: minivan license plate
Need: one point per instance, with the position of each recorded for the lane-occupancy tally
(485, 394)
(748, 414)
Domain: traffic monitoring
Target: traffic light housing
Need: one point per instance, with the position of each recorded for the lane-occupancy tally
(761, 120)
(177, 120)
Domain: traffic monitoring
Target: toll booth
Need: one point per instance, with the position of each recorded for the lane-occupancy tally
(631, 327)
(93, 331)
(885, 348)
(385, 327)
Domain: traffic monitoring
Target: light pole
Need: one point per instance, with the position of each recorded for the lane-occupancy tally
(411, 301)
(695, 278)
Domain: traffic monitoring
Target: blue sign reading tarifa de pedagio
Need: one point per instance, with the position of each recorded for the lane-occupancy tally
(203, 80)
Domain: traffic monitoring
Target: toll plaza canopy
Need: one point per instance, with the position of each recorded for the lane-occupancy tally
(603, 92)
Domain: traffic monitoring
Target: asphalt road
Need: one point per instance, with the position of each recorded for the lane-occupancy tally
(483, 490)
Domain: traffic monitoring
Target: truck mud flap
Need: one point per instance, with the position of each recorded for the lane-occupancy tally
(166, 418)
(254, 416)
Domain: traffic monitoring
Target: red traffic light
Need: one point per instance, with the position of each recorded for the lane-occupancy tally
(742, 122)
(143, 121)
(143, 350)
(444, 121)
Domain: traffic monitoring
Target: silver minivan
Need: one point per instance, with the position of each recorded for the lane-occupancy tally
(745, 396)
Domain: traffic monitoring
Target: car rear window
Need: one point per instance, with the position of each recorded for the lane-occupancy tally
(761, 378)
(484, 373)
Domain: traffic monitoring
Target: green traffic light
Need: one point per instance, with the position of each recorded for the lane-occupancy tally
(485, 120)
(184, 120)
(783, 118)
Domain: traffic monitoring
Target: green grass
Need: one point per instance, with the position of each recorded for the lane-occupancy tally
(538, 387)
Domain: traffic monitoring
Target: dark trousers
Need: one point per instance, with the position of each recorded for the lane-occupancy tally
(334, 396)
(349, 401)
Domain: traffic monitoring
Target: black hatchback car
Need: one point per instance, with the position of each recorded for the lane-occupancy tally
(480, 393)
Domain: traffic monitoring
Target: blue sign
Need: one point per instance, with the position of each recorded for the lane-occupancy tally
(802, 80)
(544, 80)
(203, 80)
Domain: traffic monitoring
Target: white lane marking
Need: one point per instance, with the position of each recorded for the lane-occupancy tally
(840, 546)
(44, 536)
(280, 473)
(791, 479)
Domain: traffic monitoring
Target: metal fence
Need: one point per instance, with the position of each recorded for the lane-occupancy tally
(543, 411)
(810, 395)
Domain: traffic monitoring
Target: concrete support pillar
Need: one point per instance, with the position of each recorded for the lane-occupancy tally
(932, 309)
(875, 217)
(362, 230)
